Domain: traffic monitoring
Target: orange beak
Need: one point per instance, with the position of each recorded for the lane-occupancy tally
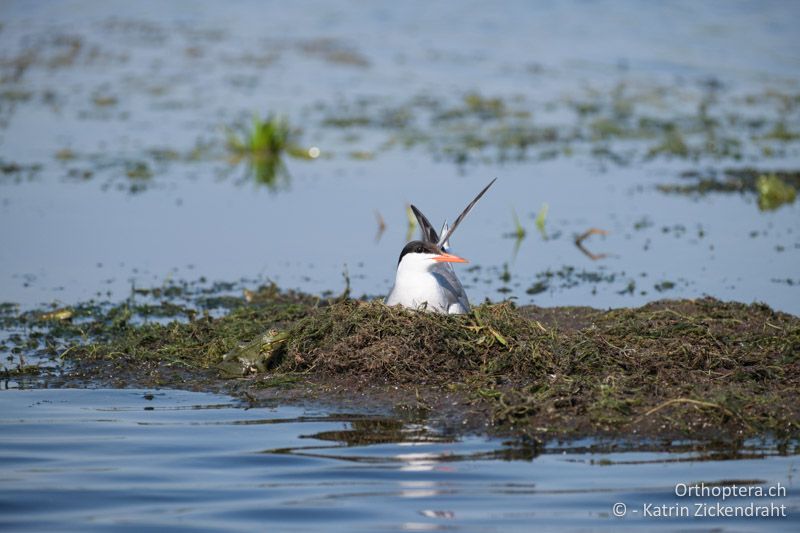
(449, 258)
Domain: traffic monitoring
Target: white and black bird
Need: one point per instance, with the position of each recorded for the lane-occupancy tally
(425, 277)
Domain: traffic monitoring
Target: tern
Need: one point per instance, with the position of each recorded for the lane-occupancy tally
(425, 277)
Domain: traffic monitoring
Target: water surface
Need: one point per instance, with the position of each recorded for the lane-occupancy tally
(112, 122)
(172, 460)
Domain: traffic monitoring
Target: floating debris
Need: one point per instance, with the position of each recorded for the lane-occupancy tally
(774, 192)
(58, 314)
(333, 51)
(138, 170)
(65, 154)
(253, 357)
(538, 287)
(102, 100)
(381, 225)
(664, 286)
(586, 234)
(362, 155)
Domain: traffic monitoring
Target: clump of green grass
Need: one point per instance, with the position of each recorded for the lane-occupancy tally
(773, 192)
(264, 146)
(265, 137)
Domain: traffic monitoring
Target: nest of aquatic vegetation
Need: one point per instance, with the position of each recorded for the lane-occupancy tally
(687, 366)
(691, 365)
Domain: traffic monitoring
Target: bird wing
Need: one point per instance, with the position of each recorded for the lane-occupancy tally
(446, 236)
(450, 283)
(428, 233)
(446, 244)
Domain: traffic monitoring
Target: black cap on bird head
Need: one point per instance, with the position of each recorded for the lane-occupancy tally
(439, 255)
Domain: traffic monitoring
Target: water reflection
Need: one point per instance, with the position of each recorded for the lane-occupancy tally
(380, 431)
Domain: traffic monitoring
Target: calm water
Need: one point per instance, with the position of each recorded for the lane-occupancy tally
(112, 85)
(171, 460)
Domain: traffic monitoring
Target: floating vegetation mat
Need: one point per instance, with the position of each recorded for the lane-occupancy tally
(774, 188)
(673, 368)
(630, 122)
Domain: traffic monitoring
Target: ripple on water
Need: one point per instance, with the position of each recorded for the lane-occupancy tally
(102, 458)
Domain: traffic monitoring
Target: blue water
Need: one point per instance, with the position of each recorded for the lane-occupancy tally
(177, 73)
(85, 460)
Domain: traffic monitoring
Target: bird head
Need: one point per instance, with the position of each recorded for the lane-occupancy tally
(423, 256)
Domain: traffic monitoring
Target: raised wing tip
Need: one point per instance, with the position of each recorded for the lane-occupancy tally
(428, 233)
(446, 235)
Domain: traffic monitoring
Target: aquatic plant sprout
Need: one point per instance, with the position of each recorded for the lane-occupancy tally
(541, 218)
(519, 229)
(264, 146)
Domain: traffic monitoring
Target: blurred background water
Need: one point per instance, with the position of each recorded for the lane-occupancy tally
(117, 168)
